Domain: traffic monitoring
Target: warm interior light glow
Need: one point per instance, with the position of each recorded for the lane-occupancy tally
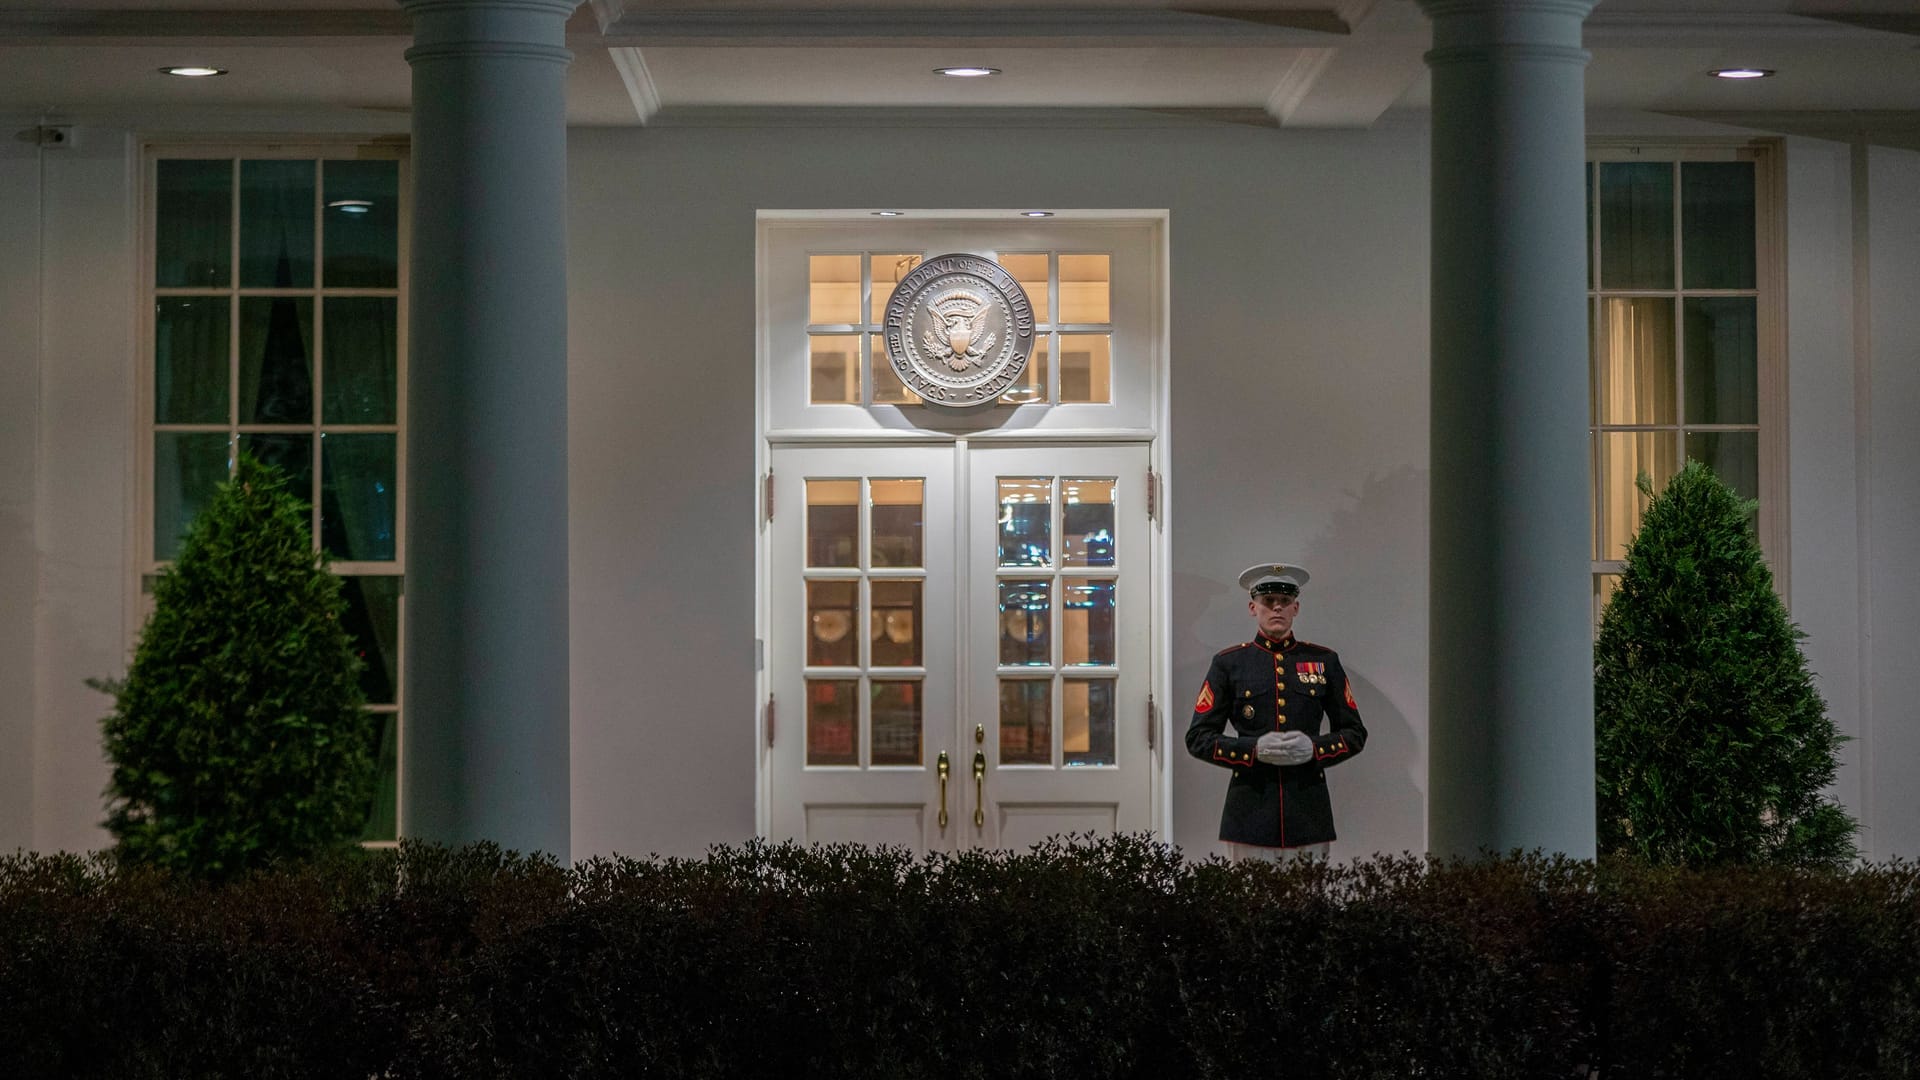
(193, 72)
(1740, 73)
(966, 72)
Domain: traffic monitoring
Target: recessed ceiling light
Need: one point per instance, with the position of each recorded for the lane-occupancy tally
(1036, 213)
(351, 206)
(1740, 73)
(966, 72)
(191, 71)
(889, 213)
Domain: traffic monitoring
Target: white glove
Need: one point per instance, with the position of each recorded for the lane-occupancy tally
(1284, 748)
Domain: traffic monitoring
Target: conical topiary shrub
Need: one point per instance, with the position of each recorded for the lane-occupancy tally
(1711, 744)
(239, 735)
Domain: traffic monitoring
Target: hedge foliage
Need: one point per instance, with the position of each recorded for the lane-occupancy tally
(1113, 958)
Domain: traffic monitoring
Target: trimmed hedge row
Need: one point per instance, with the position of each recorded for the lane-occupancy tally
(1110, 958)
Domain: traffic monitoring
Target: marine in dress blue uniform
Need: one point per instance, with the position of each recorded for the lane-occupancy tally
(1277, 713)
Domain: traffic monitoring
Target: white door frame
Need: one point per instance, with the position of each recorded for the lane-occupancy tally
(1155, 343)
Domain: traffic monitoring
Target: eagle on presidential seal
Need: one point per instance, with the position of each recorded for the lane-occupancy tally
(961, 337)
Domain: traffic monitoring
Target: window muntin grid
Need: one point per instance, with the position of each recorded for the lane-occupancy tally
(865, 666)
(1059, 602)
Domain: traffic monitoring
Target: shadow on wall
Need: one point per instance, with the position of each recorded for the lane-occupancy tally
(1368, 602)
(1374, 552)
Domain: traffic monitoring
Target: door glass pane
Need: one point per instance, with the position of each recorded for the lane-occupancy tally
(292, 454)
(1634, 376)
(190, 359)
(1033, 381)
(887, 272)
(1083, 289)
(1734, 456)
(359, 513)
(897, 521)
(1716, 224)
(373, 622)
(360, 368)
(1087, 624)
(362, 217)
(1086, 368)
(1086, 721)
(276, 360)
(1026, 721)
(895, 625)
(1025, 619)
(834, 369)
(276, 224)
(187, 466)
(1636, 225)
(193, 225)
(833, 289)
(833, 522)
(1723, 359)
(887, 387)
(1620, 456)
(831, 609)
(1086, 522)
(1026, 521)
(832, 722)
(383, 819)
(1031, 272)
(896, 721)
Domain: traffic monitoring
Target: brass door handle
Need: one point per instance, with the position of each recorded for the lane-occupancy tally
(944, 768)
(979, 789)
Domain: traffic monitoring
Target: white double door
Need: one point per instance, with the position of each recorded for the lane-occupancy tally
(958, 644)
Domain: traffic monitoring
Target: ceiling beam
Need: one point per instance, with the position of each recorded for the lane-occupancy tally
(1351, 86)
(639, 81)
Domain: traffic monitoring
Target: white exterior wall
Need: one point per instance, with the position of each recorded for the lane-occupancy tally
(1299, 290)
(19, 435)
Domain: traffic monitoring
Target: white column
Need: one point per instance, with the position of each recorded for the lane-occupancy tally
(486, 715)
(1511, 691)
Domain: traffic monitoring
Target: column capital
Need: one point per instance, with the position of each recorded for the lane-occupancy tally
(1470, 31)
(523, 29)
(1438, 9)
(562, 8)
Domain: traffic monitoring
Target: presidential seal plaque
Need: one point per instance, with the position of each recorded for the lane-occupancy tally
(959, 330)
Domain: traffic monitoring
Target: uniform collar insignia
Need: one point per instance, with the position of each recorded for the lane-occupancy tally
(1271, 645)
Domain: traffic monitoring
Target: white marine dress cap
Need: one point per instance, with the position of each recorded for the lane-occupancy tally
(1273, 578)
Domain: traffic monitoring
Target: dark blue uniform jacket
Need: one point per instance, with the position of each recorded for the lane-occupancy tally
(1263, 686)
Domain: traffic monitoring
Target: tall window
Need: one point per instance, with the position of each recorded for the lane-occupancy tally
(1683, 310)
(277, 301)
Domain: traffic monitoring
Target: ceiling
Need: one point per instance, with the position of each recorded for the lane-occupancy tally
(1843, 67)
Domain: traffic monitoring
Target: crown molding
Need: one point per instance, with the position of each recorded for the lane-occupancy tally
(919, 117)
(94, 27)
(1000, 27)
(1626, 28)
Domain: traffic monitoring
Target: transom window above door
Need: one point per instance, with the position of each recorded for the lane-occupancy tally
(1071, 294)
(1095, 289)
